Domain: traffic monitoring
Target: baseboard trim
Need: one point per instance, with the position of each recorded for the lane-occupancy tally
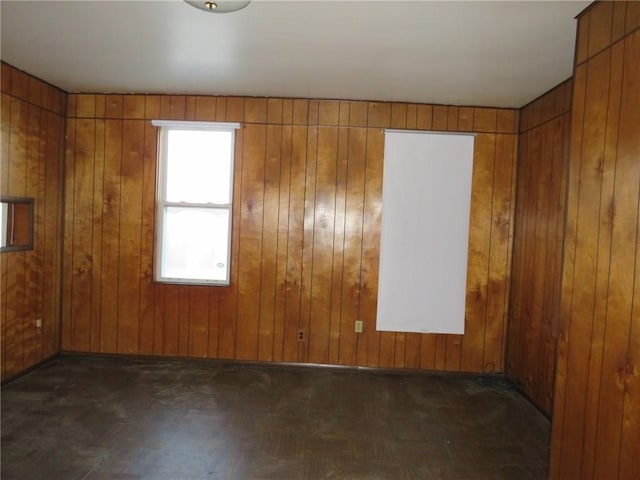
(528, 397)
(296, 365)
(30, 369)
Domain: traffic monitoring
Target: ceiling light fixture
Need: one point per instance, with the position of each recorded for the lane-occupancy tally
(219, 6)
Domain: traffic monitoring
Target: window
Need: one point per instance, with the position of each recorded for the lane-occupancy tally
(194, 202)
(16, 224)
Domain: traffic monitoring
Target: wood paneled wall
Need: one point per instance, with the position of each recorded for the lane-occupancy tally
(305, 234)
(31, 166)
(596, 415)
(543, 158)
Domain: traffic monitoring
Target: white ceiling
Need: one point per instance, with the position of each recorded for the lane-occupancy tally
(462, 53)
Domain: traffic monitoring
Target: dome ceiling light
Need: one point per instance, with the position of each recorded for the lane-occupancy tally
(219, 6)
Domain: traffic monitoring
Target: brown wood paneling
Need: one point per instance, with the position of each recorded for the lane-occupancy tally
(352, 260)
(251, 224)
(537, 244)
(295, 239)
(79, 239)
(270, 236)
(308, 234)
(111, 189)
(595, 429)
(323, 233)
(96, 235)
(499, 253)
(282, 239)
(600, 26)
(147, 288)
(308, 179)
(472, 347)
(33, 127)
(131, 187)
(369, 340)
(338, 243)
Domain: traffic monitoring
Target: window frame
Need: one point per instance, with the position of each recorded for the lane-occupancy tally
(161, 203)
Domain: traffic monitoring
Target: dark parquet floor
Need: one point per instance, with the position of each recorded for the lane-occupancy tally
(117, 418)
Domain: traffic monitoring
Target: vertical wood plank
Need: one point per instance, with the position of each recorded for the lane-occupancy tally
(308, 237)
(255, 110)
(352, 243)
(199, 321)
(485, 119)
(81, 239)
(424, 117)
(602, 261)
(111, 241)
(329, 113)
(479, 252)
(398, 115)
(250, 242)
(295, 240)
(399, 349)
(269, 242)
(412, 352)
(53, 234)
(628, 149)
(440, 118)
(146, 338)
(619, 374)
(171, 320)
(586, 220)
(601, 17)
(582, 38)
(213, 323)
(465, 119)
(369, 340)
(32, 270)
(496, 314)
(283, 243)
(323, 236)
(97, 234)
(560, 400)
(131, 175)
(379, 115)
(205, 108)
(184, 319)
(5, 124)
(412, 116)
(338, 244)
(632, 16)
(69, 182)
(440, 352)
(228, 297)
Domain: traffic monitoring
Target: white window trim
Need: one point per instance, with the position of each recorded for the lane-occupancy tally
(161, 203)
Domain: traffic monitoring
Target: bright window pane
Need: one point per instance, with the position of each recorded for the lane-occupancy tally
(199, 166)
(4, 211)
(195, 243)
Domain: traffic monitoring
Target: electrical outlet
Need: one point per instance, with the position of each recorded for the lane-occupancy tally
(301, 335)
(39, 323)
(358, 326)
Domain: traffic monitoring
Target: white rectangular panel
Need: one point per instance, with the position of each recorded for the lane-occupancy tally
(426, 201)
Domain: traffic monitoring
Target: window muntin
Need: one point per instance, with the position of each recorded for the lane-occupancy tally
(194, 202)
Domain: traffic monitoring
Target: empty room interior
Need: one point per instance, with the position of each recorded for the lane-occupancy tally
(320, 240)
